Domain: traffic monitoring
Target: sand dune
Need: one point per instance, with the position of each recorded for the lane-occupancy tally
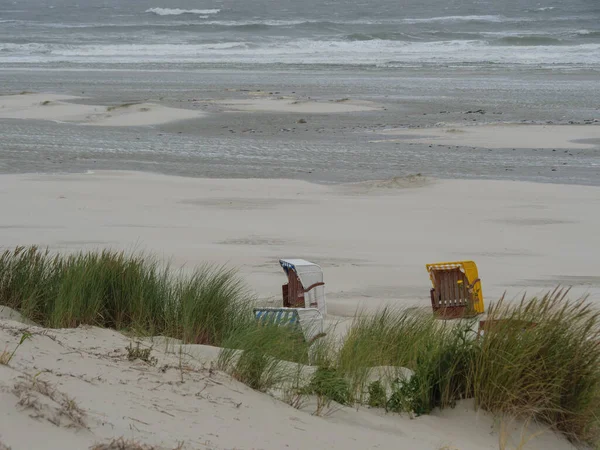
(77, 387)
(502, 135)
(58, 108)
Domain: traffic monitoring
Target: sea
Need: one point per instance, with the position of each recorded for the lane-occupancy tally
(426, 61)
(377, 34)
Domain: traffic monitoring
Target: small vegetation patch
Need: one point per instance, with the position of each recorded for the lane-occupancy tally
(263, 356)
(6, 356)
(142, 354)
(329, 384)
(377, 395)
(122, 444)
(121, 106)
(48, 403)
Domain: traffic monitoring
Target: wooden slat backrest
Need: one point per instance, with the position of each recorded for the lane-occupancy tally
(449, 292)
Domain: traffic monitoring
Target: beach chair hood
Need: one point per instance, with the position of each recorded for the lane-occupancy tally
(309, 274)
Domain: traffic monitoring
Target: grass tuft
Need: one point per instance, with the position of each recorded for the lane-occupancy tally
(328, 384)
(549, 372)
(125, 292)
(263, 356)
(6, 356)
(143, 354)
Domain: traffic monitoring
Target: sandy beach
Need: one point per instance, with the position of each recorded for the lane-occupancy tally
(372, 239)
(370, 138)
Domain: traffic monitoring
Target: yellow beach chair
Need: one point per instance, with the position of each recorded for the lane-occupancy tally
(456, 289)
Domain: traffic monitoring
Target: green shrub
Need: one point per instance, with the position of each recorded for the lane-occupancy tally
(377, 395)
(263, 356)
(328, 383)
(405, 397)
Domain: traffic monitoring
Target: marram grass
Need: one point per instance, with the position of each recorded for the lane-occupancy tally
(549, 371)
(126, 292)
(542, 362)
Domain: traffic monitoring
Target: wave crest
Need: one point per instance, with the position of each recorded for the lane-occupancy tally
(178, 12)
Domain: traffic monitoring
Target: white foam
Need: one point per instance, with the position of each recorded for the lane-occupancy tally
(178, 12)
(307, 51)
(450, 19)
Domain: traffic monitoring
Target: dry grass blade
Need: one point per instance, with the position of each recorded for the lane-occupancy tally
(49, 403)
(5, 357)
(504, 437)
(122, 444)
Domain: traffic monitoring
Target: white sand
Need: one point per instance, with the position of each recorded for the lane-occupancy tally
(293, 105)
(59, 108)
(372, 239)
(500, 135)
(71, 389)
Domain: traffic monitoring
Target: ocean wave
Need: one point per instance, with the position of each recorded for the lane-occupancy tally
(306, 51)
(451, 19)
(178, 12)
(588, 33)
(382, 36)
(530, 40)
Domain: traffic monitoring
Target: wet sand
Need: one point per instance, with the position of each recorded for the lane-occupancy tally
(503, 135)
(305, 125)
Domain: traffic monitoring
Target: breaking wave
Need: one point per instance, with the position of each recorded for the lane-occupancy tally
(178, 12)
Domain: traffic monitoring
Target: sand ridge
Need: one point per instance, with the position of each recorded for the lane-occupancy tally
(58, 108)
(500, 135)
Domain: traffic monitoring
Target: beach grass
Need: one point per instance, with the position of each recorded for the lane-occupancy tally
(437, 353)
(540, 361)
(263, 356)
(543, 362)
(127, 292)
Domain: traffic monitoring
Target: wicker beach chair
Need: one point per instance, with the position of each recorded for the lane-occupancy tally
(456, 290)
